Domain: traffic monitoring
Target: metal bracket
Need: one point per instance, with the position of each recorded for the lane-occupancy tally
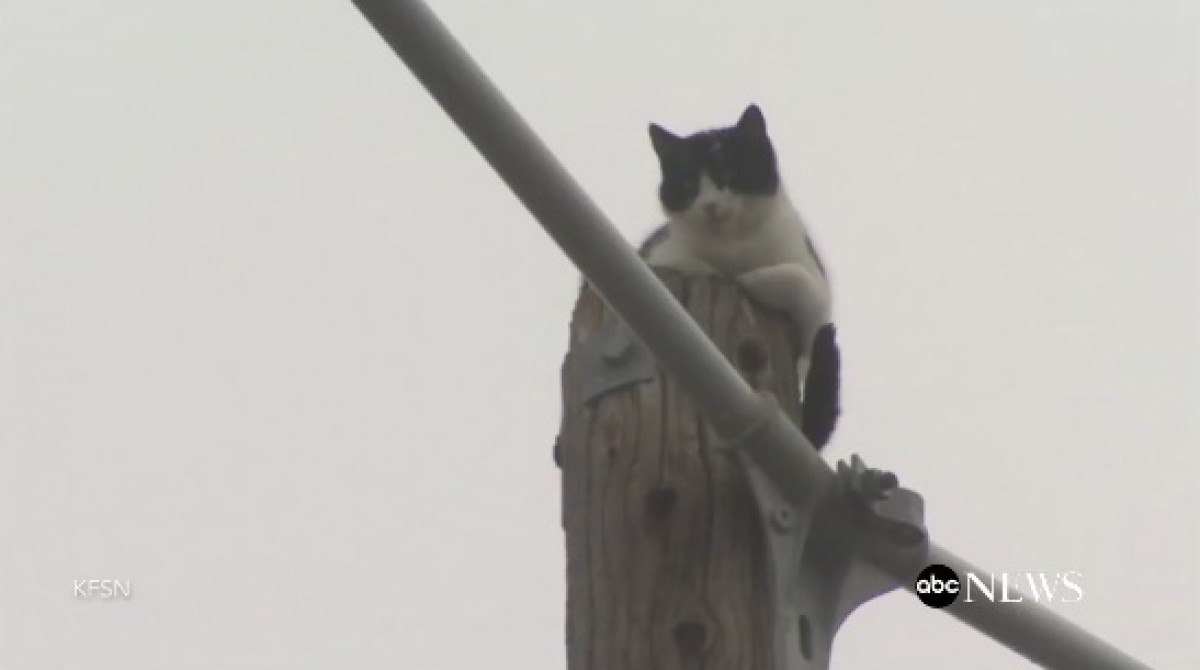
(611, 359)
(817, 573)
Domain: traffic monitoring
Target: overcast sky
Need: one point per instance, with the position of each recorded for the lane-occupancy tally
(277, 347)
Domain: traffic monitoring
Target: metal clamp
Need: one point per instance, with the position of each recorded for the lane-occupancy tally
(611, 359)
(817, 573)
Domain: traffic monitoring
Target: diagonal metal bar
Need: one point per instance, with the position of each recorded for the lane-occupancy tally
(570, 217)
(566, 212)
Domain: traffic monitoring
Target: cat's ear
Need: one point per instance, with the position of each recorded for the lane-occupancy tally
(661, 138)
(752, 121)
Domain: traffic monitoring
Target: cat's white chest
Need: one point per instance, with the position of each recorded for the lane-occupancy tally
(775, 265)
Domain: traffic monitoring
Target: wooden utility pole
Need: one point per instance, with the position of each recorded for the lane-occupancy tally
(665, 563)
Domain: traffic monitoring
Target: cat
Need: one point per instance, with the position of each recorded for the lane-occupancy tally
(729, 214)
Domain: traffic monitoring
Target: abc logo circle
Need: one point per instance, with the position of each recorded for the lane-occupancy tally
(937, 586)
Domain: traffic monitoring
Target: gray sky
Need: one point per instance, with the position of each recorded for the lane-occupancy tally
(277, 347)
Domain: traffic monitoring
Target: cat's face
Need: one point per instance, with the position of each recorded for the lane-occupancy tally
(721, 182)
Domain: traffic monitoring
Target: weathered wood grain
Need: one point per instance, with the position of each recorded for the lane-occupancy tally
(664, 567)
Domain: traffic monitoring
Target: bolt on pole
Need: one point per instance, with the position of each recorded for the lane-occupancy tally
(612, 266)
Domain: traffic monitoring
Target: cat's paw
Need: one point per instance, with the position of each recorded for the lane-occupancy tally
(789, 287)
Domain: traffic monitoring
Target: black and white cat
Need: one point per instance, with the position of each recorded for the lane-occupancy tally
(728, 214)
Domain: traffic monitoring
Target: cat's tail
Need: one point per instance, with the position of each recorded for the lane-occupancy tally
(822, 388)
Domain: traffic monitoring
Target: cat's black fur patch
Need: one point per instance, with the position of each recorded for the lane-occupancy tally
(739, 157)
(822, 388)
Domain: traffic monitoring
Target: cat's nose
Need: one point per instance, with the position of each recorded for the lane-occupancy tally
(711, 209)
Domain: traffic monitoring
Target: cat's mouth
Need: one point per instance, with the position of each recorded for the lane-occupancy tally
(714, 222)
(719, 222)
(714, 217)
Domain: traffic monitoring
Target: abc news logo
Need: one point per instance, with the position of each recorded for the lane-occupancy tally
(938, 586)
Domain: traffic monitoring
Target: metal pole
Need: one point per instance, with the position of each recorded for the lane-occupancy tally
(1027, 628)
(1031, 629)
(524, 162)
(611, 265)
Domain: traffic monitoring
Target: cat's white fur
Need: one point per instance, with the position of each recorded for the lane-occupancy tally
(762, 242)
